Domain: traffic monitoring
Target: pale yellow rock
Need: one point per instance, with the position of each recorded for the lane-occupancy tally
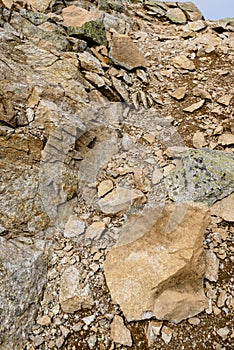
(179, 93)
(125, 52)
(105, 187)
(183, 62)
(176, 15)
(218, 130)
(74, 227)
(119, 200)
(224, 208)
(37, 5)
(77, 16)
(90, 63)
(199, 140)
(194, 107)
(194, 321)
(119, 332)
(225, 100)
(8, 3)
(226, 139)
(44, 320)
(158, 264)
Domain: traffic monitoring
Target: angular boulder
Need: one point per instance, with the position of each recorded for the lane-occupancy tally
(87, 25)
(191, 10)
(125, 53)
(157, 267)
(205, 176)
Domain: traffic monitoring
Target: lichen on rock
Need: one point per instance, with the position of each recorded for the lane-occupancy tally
(205, 176)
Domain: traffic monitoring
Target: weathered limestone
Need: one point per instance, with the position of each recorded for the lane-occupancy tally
(194, 107)
(157, 267)
(212, 266)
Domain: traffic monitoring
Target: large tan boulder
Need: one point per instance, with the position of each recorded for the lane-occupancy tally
(157, 267)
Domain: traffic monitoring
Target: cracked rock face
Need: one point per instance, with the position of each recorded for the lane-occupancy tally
(158, 270)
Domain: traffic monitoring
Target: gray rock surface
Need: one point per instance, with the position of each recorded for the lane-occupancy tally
(205, 176)
(22, 279)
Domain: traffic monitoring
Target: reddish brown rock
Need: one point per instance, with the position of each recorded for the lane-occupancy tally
(125, 53)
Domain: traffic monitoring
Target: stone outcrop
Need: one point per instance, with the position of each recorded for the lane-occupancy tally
(22, 280)
(176, 12)
(158, 271)
(87, 25)
(205, 176)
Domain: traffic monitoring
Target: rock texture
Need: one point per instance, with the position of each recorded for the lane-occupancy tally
(205, 176)
(23, 273)
(100, 101)
(73, 295)
(224, 208)
(125, 53)
(119, 332)
(158, 272)
(119, 200)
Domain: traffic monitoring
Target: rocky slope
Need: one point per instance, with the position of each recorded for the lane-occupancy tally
(117, 176)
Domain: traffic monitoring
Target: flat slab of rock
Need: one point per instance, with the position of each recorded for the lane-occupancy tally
(179, 93)
(158, 264)
(120, 200)
(205, 176)
(125, 53)
(194, 107)
(191, 10)
(226, 139)
(183, 62)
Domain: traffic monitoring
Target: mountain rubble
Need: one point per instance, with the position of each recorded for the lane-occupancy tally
(117, 182)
